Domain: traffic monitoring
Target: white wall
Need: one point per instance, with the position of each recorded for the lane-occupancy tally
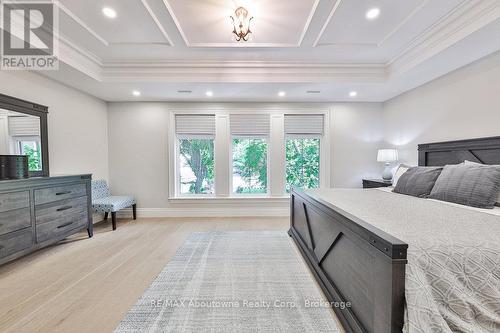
(78, 133)
(464, 104)
(356, 135)
(138, 156)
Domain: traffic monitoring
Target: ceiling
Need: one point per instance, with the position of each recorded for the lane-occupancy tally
(161, 47)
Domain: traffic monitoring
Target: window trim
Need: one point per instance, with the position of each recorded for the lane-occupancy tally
(225, 193)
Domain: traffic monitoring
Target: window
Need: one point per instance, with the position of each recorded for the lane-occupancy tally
(250, 134)
(195, 154)
(249, 166)
(196, 166)
(302, 163)
(246, 154)
(302, 151)
(31, 147)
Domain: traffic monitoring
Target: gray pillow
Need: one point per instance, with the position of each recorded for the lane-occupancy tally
(418, 181)
(468, 184)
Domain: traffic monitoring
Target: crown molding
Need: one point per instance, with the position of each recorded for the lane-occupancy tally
(230, 71)
(468, 17)
(465, 19)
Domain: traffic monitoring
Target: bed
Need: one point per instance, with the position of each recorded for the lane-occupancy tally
(404, 263)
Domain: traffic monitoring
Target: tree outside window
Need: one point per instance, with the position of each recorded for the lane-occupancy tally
(196, 166)
(249, 166)
(302, 163)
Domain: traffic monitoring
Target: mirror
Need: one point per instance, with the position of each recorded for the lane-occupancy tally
(23, 131)
(20, 135)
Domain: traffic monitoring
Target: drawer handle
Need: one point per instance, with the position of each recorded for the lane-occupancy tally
(64, 208)
(63, 193)
(64, 225)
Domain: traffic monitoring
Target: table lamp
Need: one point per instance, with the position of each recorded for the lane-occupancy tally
(387, 156)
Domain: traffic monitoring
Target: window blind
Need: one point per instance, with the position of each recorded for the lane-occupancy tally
(304, 124)
(195, 124)
(24, 126)
(250, 125)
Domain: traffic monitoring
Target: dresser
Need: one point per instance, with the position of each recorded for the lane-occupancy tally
(37, 212)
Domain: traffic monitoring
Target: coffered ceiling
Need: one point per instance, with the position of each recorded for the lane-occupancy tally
(159, 47)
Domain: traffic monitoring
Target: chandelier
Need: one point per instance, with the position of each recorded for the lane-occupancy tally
(241, 22)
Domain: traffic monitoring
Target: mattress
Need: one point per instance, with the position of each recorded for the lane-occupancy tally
(453, 271)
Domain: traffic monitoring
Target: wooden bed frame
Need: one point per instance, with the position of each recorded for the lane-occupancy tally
(358, 264)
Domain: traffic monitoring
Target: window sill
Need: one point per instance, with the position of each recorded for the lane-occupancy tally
(233, 199)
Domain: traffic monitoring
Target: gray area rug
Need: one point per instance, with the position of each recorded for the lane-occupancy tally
(242, 281)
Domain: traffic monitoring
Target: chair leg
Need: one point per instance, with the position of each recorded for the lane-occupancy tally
(106, 215)
(134, 211)
(113, 219)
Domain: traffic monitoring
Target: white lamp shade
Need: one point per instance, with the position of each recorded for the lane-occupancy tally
(387, 155)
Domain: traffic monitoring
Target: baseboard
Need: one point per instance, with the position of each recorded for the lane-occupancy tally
(208, 212)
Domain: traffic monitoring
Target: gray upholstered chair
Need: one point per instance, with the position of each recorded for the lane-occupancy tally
(104, 202)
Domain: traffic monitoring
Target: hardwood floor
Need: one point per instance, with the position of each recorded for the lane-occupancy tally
(87, 285)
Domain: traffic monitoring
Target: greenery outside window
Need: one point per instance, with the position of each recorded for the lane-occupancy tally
(196, 166)
(302, 163)
(250, 165)
(31, 147)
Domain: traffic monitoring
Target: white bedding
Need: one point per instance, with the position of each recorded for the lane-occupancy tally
(453, 271)
(494, 211)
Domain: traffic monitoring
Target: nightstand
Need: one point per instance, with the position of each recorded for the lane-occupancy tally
(374, 183)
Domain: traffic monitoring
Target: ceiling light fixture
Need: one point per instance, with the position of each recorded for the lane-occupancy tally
(136, 93)
(353, 93)
(282, 94)
(241, 23)
(109, 12)
(209, 93)
(372, 14)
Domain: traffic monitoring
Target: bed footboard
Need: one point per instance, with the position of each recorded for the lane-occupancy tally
(355, 264)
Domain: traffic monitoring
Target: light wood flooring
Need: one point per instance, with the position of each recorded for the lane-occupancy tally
(87, 285)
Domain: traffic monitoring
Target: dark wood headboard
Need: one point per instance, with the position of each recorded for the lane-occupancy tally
(483, 150)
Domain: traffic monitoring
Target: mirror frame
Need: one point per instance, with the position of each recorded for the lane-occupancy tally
(37, 110)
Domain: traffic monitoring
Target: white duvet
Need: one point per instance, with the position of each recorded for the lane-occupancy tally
(453, 270)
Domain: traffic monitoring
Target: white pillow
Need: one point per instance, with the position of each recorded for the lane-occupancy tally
(402, 168)
(472, 163)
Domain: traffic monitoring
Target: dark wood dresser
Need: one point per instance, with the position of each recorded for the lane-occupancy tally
(37, 212)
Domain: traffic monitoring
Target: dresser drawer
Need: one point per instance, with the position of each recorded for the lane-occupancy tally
(61, 227)
(14, 220)
(52, 194)
(60, 211)
(15, 242)
(14, 200)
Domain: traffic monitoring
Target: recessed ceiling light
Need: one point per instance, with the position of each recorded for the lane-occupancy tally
(136, 93)
(373, 13)
(353, 93)
(109, 12)
(281, 94)
(209, 93)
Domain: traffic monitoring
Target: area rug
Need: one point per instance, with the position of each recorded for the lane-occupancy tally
(243, 281)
